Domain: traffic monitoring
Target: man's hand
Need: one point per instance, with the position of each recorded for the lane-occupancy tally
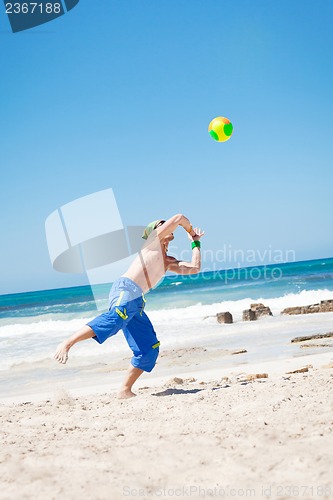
(197, 235)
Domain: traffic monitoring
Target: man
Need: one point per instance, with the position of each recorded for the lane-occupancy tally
(127, 299)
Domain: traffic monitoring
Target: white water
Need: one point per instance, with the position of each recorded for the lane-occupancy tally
(31, 340)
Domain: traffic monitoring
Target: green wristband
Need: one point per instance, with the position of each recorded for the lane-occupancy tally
(196, 244)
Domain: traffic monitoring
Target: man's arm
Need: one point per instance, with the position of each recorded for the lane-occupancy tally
(171, 224)
(180, 267)
(192, 267)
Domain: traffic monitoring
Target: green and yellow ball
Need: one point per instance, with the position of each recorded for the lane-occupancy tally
(220, 129)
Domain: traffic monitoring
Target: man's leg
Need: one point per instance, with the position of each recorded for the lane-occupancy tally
(141, 338)
(61, 353)
(132, 376)
(100, 328)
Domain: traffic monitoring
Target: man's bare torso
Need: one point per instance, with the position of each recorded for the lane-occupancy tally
(149, 266)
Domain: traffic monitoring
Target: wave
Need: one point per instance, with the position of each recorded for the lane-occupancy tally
(40, 327)
(161, 316)
(277, 304)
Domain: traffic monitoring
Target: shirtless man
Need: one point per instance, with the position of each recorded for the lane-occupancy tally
(127, 299)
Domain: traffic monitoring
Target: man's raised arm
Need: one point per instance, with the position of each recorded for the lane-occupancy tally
(171, 224)
(194, 266)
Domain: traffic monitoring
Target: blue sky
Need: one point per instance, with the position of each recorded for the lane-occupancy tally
(120, 94)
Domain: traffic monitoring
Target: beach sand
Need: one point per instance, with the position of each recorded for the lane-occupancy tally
(206, 432)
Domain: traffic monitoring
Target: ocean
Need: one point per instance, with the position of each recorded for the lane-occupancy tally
(182, 309)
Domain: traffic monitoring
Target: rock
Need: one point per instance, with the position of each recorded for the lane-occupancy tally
(310, 337)
(316, 345)
(249, 315)
(240, 351)
(313, 308)
(292, 310)
(261, 310)
(256, 311)
(224, 317)
(324, 306)
(173, 381)
(178, 380)
(190, 380)
(301, 370)
(254, 376)
(256, 306)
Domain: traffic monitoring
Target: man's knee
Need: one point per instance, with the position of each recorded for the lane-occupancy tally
(147, 361)
(105, 325)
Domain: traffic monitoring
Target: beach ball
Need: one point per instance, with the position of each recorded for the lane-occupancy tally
(220, 129)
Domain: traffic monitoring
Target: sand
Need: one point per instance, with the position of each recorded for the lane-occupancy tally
(203, 433)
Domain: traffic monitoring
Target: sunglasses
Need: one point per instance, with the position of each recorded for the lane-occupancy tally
(158, 224)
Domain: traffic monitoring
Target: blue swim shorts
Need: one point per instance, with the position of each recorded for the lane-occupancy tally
(126, 312)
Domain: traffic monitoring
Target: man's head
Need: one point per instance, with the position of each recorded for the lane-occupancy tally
(154, 225)
(151, 226)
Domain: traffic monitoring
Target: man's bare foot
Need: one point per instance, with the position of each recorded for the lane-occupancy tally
(125, 394)
(61, 353)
